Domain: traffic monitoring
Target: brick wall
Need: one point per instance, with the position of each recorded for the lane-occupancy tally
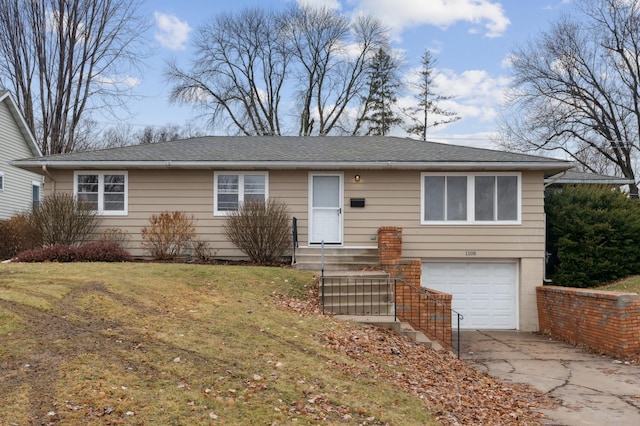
(605, 321)
(426, 310)
(389, 244)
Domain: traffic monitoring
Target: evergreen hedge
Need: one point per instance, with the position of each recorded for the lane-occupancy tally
(593, 235)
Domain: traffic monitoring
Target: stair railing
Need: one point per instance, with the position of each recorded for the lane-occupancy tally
(294, 237)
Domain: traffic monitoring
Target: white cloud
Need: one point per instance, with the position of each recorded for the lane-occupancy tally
(399, 14)
(330, 4)
(126, 81)
(476, 95)
(172, 32)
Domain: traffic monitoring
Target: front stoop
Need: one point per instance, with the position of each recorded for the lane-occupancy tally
(391, 323)
(336, 258)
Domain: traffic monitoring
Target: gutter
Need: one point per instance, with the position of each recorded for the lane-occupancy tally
(449, 165)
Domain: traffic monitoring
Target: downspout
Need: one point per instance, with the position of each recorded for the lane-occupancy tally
(545, 279)
(53, 182)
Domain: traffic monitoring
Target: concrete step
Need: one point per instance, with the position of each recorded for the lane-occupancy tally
(397, 326)
(359, 310)
(336, 258)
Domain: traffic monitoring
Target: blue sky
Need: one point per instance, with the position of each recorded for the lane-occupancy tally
(471, 40)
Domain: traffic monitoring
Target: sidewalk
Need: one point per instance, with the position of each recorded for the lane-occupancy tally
(592, 390)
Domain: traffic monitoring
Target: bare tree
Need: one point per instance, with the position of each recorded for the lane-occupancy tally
(334, 56)
(125, 135)
(428, 112)
(62, 58)
(239, 72)
(245, 60)
(576, 88)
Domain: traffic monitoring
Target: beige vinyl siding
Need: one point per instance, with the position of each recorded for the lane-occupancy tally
(17, 194)
(191, 191)
(392, 199)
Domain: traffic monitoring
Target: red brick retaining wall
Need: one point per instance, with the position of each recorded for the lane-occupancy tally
(603, 320)
(430, 314)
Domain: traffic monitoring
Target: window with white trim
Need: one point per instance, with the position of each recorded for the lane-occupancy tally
(35, 193)
(481, 198)
(231, 189)
(106, 192)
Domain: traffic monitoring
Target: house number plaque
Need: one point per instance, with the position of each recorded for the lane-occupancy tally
(470, 253)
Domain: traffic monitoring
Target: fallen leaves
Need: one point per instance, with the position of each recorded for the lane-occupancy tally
(454, 392)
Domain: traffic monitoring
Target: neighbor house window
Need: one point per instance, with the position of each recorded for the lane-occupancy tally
(1, 181)
(35, 193)
(231, 189)
(105, 192)
(470, 198)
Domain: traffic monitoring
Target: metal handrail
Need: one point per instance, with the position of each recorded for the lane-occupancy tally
(294, 236)
(416, 318)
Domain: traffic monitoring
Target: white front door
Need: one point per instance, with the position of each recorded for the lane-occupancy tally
(325, 208)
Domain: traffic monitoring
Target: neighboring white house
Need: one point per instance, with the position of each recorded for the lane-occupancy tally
(19, 188)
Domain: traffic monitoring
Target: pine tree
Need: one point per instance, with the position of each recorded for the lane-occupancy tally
(383, 86)
(427, 108)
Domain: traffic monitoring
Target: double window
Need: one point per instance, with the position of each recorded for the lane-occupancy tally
(105, 192)
(231, 189)
(470, 198)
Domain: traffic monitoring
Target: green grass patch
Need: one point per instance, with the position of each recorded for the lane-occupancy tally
(136, 343)
(629, 285)
(10, 323)
(19, 296)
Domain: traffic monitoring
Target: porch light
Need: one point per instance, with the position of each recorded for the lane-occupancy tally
(357, 178)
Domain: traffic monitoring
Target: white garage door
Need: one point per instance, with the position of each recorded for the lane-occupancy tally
(485, 293)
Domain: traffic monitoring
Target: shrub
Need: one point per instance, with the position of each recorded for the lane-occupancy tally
(95, 251)
(260, 230)
(593, 235)
(168, 234)
(116, 236)
(61, 220)
(15, 236)
(201, 250)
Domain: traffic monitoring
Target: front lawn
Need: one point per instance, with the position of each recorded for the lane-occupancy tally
(630, 285)
(172, 344)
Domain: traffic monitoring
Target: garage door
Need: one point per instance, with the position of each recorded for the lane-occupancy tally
(485, 293)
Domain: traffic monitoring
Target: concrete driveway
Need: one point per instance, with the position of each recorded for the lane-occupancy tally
(592, 390)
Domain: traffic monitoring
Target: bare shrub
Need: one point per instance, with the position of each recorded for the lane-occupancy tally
(15, 236)
(201, 250)
(168, 234)
(61, 219)
(261, 230)
(115, 236)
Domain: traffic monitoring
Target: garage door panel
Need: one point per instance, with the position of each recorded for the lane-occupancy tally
(483, 292)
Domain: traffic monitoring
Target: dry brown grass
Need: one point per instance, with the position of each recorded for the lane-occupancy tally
(176, 344)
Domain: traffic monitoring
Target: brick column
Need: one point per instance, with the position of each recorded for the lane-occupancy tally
(389, 245)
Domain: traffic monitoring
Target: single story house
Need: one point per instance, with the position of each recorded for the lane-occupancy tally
(19, 188)
(474, 217)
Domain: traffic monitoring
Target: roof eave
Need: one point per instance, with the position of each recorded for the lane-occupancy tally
(551, 167)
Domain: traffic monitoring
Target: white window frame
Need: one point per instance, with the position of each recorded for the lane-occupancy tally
(2, 183)
(101, 174)
(241, 175)
(471, 200)
(35, 183)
